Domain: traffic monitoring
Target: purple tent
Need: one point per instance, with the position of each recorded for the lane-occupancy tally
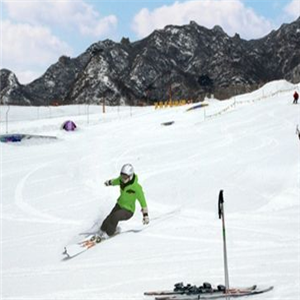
(69, 126)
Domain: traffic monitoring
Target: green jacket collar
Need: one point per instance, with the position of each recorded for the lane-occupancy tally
(124, 185)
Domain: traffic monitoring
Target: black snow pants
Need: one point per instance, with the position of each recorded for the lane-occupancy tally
(110, 224)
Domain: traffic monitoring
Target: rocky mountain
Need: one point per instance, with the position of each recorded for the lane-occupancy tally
(182, 62)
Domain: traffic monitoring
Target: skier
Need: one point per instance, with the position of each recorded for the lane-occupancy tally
(124, 209)
(296, 97)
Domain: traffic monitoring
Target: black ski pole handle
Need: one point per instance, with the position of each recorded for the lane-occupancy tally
(220, 204)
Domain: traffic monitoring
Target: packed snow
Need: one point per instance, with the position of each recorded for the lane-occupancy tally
(53, 190)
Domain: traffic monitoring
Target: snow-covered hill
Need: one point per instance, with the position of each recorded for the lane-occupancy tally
(53, 190)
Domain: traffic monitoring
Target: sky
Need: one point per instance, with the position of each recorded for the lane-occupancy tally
(35, 33)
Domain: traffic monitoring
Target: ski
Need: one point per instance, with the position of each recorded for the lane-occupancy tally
(231, 293)
(73, 250)
(206, 288)
(89, 242)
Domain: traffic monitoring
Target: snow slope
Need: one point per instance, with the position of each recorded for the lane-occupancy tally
(53, 190)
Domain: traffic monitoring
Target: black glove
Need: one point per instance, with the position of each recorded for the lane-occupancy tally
(145, 216)
(107, 182)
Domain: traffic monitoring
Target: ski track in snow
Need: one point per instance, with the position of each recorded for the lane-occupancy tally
(33, 214)
(52, 191)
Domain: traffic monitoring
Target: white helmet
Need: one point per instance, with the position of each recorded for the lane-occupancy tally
(127, 171)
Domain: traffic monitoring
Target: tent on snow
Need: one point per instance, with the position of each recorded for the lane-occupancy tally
(69, 126)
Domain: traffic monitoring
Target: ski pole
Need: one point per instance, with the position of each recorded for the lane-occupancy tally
(222, 216)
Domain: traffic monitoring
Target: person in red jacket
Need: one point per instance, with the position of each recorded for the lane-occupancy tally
(296, 97)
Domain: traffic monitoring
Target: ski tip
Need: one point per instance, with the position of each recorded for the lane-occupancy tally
(65, 252)
(270, 288)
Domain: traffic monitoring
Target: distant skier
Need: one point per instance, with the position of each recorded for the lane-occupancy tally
(124, 209)
(296, 97)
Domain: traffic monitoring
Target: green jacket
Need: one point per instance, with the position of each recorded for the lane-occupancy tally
(130, 192)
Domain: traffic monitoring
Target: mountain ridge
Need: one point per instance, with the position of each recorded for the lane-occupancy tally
(178, 62)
